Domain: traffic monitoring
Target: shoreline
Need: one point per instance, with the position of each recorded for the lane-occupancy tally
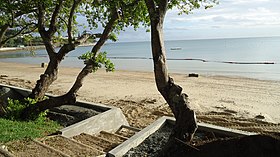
(136, 94)
(200, 73)
(16, 49)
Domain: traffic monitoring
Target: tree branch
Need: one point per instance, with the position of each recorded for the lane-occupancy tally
(89, 66)
(106, 32)
(70, 20)
(21, 31)
(44, 34)
(52, 27)
(66, 48)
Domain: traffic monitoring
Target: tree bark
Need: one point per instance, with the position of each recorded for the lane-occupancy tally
(186, 124)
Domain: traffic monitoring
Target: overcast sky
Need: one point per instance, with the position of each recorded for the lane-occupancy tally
(229, 19)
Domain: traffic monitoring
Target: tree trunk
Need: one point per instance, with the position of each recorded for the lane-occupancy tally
(50, 74)
(186, 124)
(46, 79)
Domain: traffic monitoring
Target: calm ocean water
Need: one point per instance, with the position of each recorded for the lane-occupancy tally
(135, 56)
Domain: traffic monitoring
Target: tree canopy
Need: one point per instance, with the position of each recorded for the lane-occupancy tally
(15, 16)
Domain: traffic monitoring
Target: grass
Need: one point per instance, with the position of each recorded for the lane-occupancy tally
(19, 130)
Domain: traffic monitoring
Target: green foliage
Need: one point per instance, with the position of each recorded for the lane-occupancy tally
(17, 130)
(98, 61)
(16, 18)
(113, 37)
(15, 108)
(12, 128)
(186, 6)
(132, 13)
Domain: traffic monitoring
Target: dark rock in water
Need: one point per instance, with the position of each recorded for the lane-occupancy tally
(193, 75)
(2, 76)
(260, 117)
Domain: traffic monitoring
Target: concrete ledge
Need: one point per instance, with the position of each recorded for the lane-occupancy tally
(22, 91)
(136, 139)
(110, 121)
(223, 130)
(139, 137)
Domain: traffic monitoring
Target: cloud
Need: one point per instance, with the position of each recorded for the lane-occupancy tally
(231, 18)
(235, 2)
(230, 14)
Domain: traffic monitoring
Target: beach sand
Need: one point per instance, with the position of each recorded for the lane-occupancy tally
(228, 101)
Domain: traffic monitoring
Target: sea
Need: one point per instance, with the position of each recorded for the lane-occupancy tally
(257, 58)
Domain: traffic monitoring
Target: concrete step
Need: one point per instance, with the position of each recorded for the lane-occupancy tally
(104, 141)
(31, 148)
(71, 147)
(112, 137)
(100, 143)
(127, 131)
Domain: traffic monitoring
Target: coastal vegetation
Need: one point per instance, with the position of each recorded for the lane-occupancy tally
(55, 17)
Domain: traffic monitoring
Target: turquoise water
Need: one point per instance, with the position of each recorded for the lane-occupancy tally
(135, 56)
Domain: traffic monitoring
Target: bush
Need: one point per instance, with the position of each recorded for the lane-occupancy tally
(15, 108)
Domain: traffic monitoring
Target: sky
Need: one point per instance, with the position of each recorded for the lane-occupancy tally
(228, 19)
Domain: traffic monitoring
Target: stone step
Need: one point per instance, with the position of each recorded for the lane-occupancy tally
(96, 142)
(31, 148)
(89, 140)
(127, 131)
(112, 137)
(71, 147)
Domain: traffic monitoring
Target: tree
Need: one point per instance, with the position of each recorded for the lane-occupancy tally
(114, 16)
(54, 17)
(186, 124)
(15, 19)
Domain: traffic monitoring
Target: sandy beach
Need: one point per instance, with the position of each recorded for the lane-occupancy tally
(227, 101)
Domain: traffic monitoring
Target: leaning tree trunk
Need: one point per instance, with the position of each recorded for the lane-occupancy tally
(50, 74)
(186, 124)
